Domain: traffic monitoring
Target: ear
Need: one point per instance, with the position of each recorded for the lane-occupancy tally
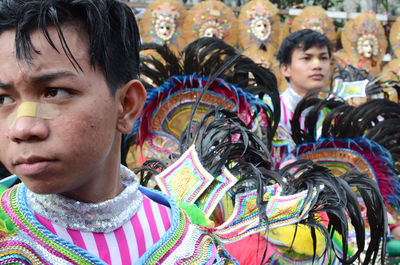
(285, 70)
(131, 98)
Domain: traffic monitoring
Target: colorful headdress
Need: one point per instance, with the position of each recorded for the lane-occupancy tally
(226, 160)
(259, 24)
(360, 35)
(161, 23)
(363, 138)
(354, 85)
(211, 19)
(180, 82)
(221, 175)
(362, 27)
(314, 18)
(395, 37)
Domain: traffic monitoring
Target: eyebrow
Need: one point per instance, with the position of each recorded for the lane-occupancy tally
(4, 86)
(51, 76)
(43, 78)
(322, 53)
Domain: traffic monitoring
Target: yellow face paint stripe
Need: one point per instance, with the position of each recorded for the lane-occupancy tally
(316, 61)
(33, 109)
(27, 109)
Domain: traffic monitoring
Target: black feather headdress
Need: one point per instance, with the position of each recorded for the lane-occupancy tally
(210, 70)
(353, 139)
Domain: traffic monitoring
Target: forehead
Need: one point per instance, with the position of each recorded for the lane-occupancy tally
(42, 50)
(314, 50)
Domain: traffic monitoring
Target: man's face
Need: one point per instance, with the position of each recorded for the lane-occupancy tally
(78, 150)
(309, 70)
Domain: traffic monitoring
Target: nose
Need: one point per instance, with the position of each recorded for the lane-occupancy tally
(29, 129)
(316, 63)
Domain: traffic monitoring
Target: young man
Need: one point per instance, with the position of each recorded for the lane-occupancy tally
(304, 58)
(68, 91)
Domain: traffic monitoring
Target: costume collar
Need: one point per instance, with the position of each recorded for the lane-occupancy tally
(100, 217)
(291, 98)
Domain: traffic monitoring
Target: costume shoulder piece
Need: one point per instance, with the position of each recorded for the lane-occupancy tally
(395, 37)
(25, 241)
(357, 86)
(162, 23)
(211, 19)
(315, 18)
(178, 85)
(259, 24)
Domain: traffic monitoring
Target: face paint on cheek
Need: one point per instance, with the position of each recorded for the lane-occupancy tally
(33, 109)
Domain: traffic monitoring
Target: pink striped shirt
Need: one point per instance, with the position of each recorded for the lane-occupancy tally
(126, 244)
(289, 101)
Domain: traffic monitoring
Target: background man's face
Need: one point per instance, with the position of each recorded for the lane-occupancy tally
(309, 70)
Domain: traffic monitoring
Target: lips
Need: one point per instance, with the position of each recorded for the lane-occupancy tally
(32, 165)
(317, 77)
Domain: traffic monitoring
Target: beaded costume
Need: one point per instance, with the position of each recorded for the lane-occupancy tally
(24, 240)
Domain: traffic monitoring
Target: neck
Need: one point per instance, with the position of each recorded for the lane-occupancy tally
(94, 192)
(299, 92)
(102, 217)
(102, 181)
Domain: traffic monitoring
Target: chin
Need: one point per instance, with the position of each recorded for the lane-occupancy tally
(42, 188)
(319, 85)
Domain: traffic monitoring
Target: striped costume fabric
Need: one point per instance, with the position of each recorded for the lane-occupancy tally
(25, 240)
(289, 101)
(143, 230)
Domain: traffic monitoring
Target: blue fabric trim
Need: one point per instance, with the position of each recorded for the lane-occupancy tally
(9, 181)
(156, 196)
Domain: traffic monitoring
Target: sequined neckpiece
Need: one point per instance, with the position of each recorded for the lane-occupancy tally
(100, 217)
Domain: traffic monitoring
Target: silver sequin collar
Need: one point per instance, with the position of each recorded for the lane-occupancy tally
(100, 217)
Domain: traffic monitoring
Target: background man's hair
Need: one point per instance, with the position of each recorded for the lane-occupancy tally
(304, 39)
(110, 26)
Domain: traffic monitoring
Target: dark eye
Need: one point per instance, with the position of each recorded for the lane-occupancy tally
(52, 92)
(5, 100)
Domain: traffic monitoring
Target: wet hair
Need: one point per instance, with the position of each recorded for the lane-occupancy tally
(304, 39)
(110, 27)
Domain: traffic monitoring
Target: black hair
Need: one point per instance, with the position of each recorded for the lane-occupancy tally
(304, 39)
(110, 26)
